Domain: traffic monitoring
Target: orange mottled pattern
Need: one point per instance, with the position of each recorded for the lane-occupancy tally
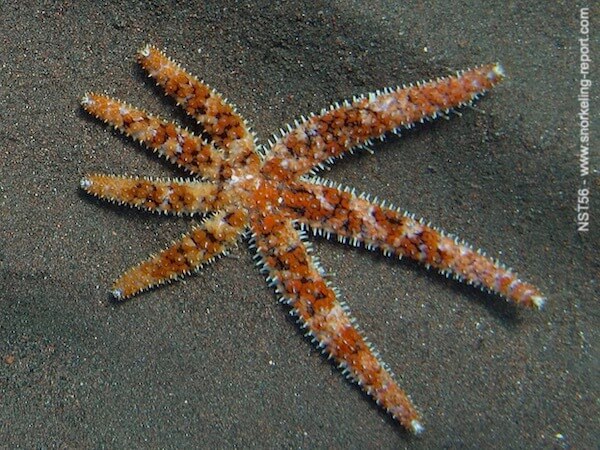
(212, 238)
(343, 214)
(340, 129)
(200, 101)
(238, 191)
(226, 128)
(165, 196)
(315, 303)
(176, 144)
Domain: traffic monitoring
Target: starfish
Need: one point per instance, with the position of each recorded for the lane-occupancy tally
(271, 195)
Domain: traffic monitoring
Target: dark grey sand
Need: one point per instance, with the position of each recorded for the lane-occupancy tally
(215, 360)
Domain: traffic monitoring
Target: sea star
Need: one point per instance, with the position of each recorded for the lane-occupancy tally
(271, 195)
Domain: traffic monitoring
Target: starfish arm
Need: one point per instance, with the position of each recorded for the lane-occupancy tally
(205, 242)
(176, 144)
(301, 284)
(227, 129)
(328, 210)
(321, 138)
(163, 196)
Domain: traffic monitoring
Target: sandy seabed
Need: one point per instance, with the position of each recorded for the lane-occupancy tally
(215, 360)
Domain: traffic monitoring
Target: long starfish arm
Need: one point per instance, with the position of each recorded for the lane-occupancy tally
(155, 195)
(321, 138)
(331, 211)
(176, 144)
(214, 237)
(220, 121)
(300, 283)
